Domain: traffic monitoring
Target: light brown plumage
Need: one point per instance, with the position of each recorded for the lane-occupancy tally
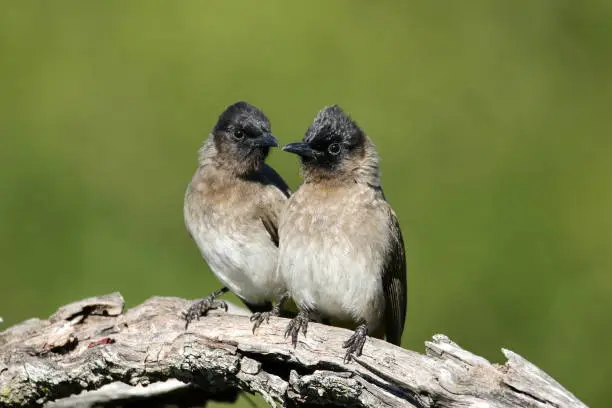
(341, 249)
(232, 206)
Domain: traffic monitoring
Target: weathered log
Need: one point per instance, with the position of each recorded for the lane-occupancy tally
(92, 343)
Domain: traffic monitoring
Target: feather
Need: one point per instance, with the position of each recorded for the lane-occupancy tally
(394, 282)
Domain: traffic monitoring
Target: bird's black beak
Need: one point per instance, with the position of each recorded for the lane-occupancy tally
(300, 148)
(266, 140)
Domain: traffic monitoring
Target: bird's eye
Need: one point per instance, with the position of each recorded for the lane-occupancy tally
(334, 148)
(239, 134)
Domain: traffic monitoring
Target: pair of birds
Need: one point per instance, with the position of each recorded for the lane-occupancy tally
(334, 247)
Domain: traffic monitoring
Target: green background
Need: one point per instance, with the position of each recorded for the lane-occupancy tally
(493, 120)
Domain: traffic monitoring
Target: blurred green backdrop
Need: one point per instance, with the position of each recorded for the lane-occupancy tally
(492, 119)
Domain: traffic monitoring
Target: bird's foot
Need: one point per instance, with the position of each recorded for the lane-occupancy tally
(260, 317)
(354, 345)
(202, 307)
(293, 328)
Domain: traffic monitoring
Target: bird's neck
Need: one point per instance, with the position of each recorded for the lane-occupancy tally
(367, 171)
(228, 163)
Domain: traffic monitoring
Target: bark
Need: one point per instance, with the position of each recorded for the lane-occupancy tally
(94, 346)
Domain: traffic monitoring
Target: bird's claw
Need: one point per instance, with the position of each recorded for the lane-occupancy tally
(293, 328)
(354, 344)
(261, 317)
(201, 308)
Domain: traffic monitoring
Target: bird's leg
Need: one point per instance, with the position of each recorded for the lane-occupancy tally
(260, 317)
(202, 306)
(354, 344)
(293, 328)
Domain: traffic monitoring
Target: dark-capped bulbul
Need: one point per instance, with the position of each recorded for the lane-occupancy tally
(341, 249)
(231, 211)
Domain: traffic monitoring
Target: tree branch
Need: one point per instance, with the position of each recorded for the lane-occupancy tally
(91, 343)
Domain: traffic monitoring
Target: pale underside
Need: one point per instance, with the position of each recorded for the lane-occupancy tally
(226, 220)
(332, 260)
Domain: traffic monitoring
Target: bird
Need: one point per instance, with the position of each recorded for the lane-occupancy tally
(231, 210)
(341, 250)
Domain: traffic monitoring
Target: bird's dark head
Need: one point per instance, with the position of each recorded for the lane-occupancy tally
(242, 136)
(334, 147)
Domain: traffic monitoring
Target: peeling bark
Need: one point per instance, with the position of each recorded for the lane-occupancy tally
(87, 345)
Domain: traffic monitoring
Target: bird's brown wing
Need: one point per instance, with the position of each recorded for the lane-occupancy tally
(270, 223)
(394, 282)
(272, 203)
(269, 214)
(275, 179)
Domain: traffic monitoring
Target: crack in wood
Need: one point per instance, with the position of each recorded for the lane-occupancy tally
(218, 356)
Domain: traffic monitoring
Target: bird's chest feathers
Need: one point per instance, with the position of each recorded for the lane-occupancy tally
(234, 242)
(351, 216)
(332, 250)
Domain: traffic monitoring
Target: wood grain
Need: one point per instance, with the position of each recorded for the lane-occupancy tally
(89, 344)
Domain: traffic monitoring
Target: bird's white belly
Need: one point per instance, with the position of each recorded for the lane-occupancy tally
(326, 275)
(244, 262)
